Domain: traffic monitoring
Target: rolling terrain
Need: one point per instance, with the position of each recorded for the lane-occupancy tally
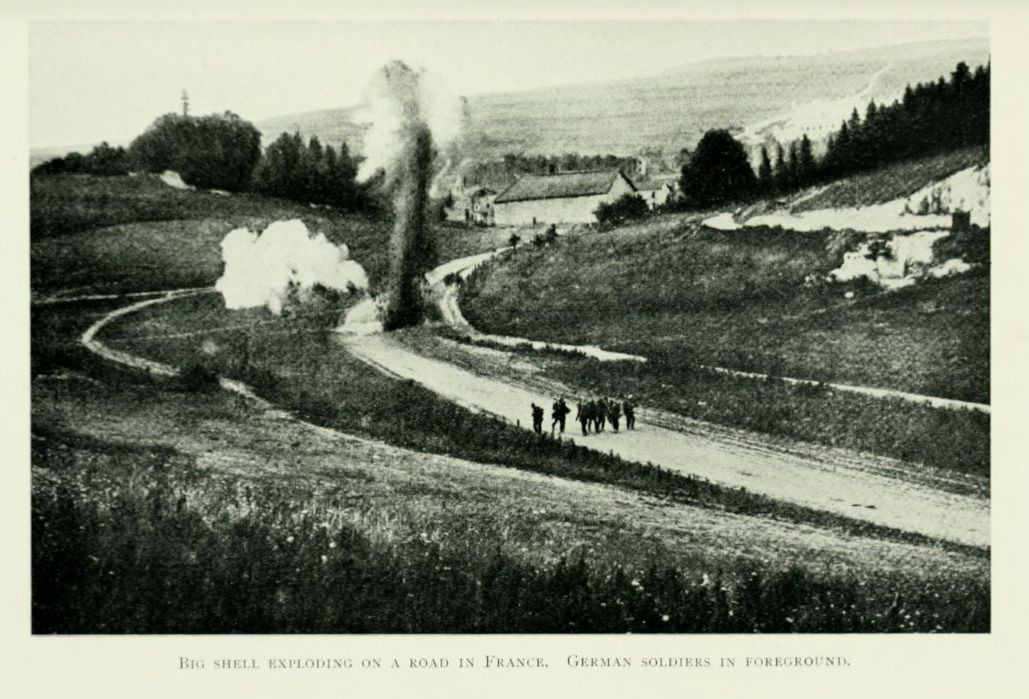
(148, 487)
(671, 109)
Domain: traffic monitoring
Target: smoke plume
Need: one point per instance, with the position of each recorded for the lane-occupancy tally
(262, 269)
(412, 116)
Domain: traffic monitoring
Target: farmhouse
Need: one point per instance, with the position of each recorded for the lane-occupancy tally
(568, 197)
(656, 191)
(472, 206)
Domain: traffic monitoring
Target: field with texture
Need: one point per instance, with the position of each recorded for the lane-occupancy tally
(409, 513)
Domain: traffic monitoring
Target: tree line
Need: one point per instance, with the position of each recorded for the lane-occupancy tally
(223, 151)
(930, 118)
(511, 166)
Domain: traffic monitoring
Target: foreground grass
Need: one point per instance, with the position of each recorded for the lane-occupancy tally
(138, 234)
(138, 540)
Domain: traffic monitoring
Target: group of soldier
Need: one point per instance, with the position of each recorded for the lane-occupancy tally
(592, 414)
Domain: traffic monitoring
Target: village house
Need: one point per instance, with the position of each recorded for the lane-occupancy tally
(472, 206)
(568, 197)
(656, 191)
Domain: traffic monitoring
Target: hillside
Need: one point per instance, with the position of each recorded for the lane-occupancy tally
(672, 109)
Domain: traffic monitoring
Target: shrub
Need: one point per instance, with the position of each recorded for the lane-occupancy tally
(971, 245)
(628, 207)
(197, 378)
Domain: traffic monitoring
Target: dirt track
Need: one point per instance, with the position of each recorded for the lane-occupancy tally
(710, 453)
(840, 486)
(842, 489)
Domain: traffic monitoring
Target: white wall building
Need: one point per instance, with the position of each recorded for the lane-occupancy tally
(656, 192)
(568, 197)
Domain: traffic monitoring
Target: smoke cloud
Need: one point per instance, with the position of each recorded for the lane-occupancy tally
(262, 268)
(412, 116)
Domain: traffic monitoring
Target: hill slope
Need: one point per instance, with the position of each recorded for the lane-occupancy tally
(672, 109)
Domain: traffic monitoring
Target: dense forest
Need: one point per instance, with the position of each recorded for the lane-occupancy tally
(930, 118)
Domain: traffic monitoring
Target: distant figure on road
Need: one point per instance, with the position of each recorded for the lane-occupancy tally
(614, 414)
(629, 408)
(600, 416)
(537, 419)
(558, 413)
(584, 415)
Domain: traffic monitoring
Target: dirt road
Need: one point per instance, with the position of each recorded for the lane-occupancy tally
(848, 491)
(821, 483)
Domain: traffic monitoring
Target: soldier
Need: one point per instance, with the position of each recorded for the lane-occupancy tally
(537, 419)
(600, 416)
(629, 408)
(583, 416)
(558, 413)
(614, 413)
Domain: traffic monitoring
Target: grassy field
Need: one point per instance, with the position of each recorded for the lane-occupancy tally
(893, 181)
(739, 300)
(245, 556)
(298, 365)
(136, 233)
(170, 506)
(144, 493)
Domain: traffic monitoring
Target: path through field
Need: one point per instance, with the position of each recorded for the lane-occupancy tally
(842, 489)
(314, 450)
(713, 454)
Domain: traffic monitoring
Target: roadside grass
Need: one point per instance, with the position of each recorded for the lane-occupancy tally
(133, 539)
(893, 181)
(954, 440)
(121, 234)
(300, 366)
(739, 300)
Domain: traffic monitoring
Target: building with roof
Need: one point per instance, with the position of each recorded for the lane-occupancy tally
(656, 191)
(567, 197)
(472, 206)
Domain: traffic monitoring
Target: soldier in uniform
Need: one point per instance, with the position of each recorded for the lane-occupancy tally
(614, 413)
(558, 413)
(584, 415)
(537, 419)
(629, 408)
(600, 416)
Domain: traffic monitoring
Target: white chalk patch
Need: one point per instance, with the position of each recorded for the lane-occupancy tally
(173, 179)
(929, 208)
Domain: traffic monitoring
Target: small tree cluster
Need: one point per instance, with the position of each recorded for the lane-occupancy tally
(218, 151)
(103, 161)
(310, 173)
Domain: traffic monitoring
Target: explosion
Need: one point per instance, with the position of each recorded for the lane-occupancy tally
(411, 115)
(262, 269)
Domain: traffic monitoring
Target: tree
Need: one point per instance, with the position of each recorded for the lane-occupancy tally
(216, 151)
(805, 161)
(718, 171)
(779, 172)
(764, 170)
